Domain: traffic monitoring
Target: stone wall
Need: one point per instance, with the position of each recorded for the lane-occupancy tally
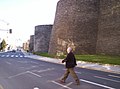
(76, 25)
(89, 26)
(31, 44)
(109, 28)
(42, 38)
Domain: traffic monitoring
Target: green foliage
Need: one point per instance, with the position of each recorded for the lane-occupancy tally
(44, 54)
(3, 45)
(102, 59)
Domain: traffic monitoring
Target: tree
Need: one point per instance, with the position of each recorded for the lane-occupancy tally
(3, 45)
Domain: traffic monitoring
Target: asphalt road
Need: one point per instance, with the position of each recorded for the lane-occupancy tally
(19, 72)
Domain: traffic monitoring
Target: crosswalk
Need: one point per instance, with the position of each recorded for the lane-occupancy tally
(12, 56)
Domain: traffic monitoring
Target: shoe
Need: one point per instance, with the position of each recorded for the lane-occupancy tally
(77, 82)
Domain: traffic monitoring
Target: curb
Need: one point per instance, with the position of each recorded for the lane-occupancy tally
(82, 64)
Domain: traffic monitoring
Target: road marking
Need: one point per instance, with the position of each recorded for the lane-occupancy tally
(8, 63)
(18, 74)
(7, 55)
(34, 62)
(48, 69)
(30, 68)
(35, 88)
(24, 73)
(2, 55)
(78, 72)
(61, 85)
(97, 84)
(34, 74)
(21, 56)
(107, 79)
(114, 76)
(1, 87)
(12, 55)
(16, 56)
(69, 84)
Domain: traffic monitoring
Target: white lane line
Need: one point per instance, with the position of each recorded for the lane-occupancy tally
(69, 84)
(18, 74)
(35, 62)
(12, 55)
(97, 84)
(1, 87)
(16, 55)
(107, 79)
(48, 69)
(2, 55)
(35, 88)
(61, 85)
(78, 72)
(21, 56)
(7, 55)
(25, 56)
(29, 67)
(114, 76)
(8, 63)
(34, 74)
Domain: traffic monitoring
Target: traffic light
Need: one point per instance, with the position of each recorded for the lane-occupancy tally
(10, 31)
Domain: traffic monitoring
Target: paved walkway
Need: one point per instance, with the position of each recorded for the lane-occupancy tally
(95, 66)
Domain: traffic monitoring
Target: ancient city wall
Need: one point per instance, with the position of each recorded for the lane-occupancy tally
(76, 25)
(42, 38)
(31, 44)
(89, 26)
(109, 27)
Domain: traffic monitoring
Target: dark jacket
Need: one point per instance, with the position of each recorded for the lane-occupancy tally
(70, 60)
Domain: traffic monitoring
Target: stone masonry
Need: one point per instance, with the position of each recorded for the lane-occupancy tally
(89, 26)
(42, 38)
(31, 44)
(76, 25)
(109, 28)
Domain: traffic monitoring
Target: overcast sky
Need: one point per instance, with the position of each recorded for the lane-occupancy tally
(24, 15)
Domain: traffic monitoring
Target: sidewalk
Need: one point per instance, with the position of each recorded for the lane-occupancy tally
(82, 64)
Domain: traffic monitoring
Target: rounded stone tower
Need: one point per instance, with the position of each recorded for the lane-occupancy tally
(109, 28)
(31, 43)
(42, 38)
(76, 25)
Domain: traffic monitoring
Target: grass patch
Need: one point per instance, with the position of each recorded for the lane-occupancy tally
(44, 54)
(103, 59)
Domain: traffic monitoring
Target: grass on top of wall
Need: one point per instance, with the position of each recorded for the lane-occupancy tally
(102, 59)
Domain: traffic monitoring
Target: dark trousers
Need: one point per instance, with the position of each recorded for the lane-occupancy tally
(73, 74)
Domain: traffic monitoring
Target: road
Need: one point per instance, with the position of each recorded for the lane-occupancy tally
(19, 72)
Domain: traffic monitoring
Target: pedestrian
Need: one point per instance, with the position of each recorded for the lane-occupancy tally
(70, 61)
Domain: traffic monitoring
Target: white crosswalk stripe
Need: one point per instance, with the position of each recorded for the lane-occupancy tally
(16, 56)
(7, 55)
(12, 55)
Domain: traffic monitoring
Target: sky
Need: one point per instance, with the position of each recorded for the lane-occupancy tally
(23, 15)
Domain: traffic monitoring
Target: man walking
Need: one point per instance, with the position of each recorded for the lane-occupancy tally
(70, 64)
